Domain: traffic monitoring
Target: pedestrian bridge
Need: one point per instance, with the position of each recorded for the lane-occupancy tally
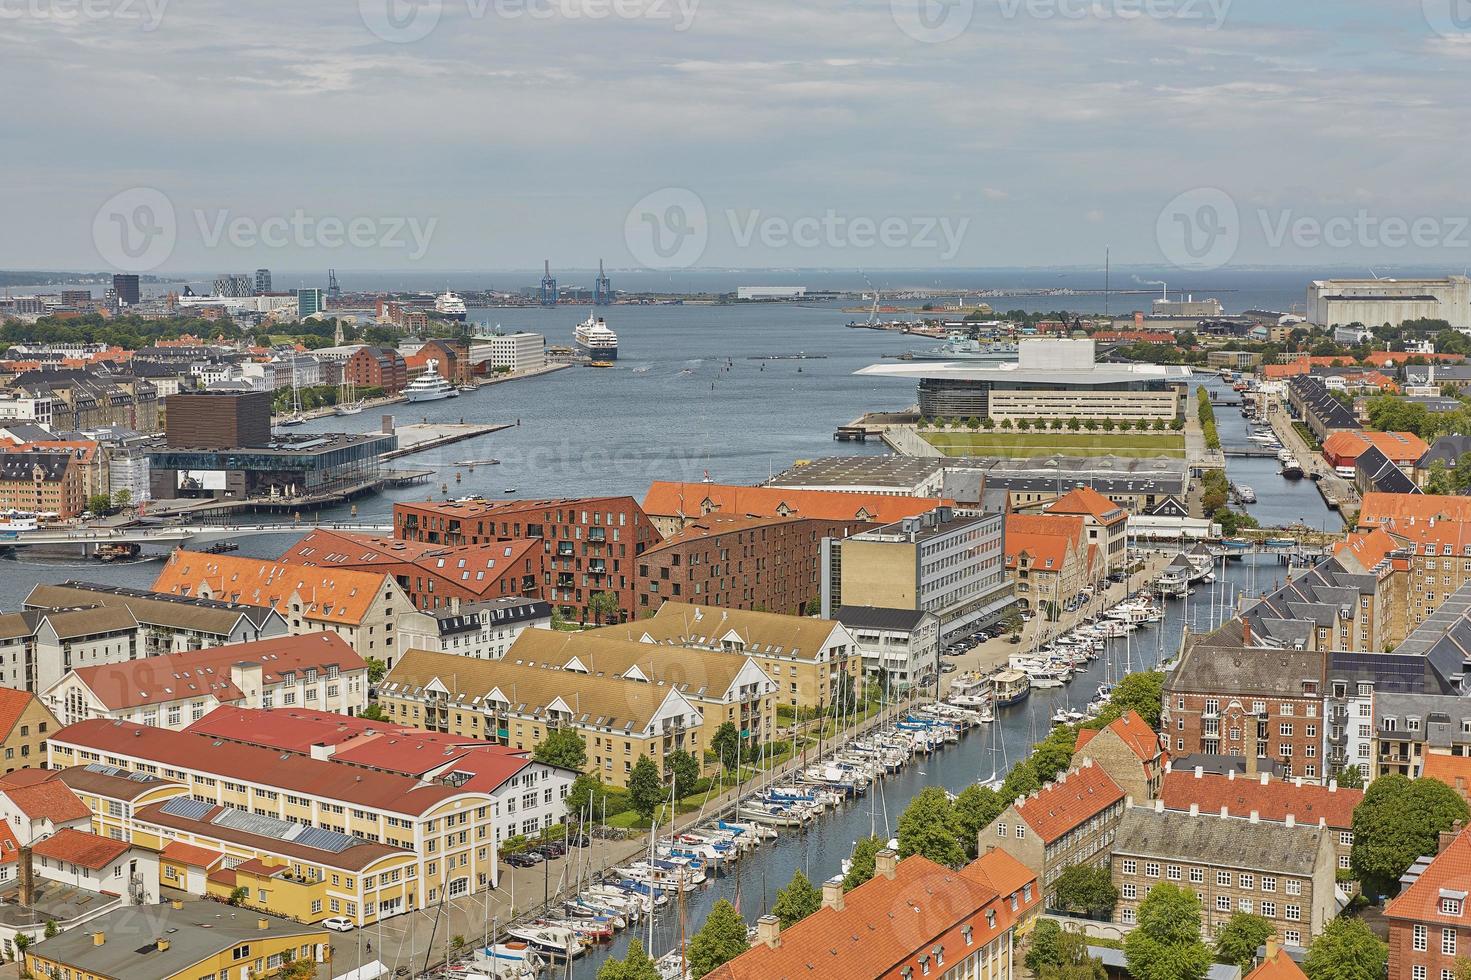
(173, 535)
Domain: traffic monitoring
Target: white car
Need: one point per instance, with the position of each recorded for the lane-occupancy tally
(338, 923)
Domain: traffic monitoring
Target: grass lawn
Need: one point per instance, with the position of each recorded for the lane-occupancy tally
(1081, 443)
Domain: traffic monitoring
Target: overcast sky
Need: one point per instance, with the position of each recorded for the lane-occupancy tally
(484, 134)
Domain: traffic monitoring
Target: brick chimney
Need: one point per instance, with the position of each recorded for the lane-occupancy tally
(1245, 632)
(1447, 837)
(1273, 946)
(98, 938)
(27, 878)
(886, 863)
(768, 931)
(832, 893)
(1250, 744)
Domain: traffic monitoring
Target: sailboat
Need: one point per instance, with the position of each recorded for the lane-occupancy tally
(295, 417)
(348, 402)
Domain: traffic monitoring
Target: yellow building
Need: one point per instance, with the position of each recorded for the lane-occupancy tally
(806, 658)
(516, 704)
(179, 941)
(406, 843)
(25, 724)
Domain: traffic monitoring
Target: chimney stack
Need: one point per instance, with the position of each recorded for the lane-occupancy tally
(27, 878)
(98, 938)
(1291, 820)
(768, 931)
(1245, 632)
(886, 863)
(263, 923)
(1195, 809)
(1254, 816)
(832, 893)
(161, 944)
(1250, 744)
(1447, 837)
(1273, 946)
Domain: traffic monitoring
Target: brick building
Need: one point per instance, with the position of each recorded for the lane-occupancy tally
(762, 563)
(377, 367)
(1429, 923)
(42, 483)
(1129, 751)
(451, 357)
(1432, 535)
(673, 505)
(590, 544)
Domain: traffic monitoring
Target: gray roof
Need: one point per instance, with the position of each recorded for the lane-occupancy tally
(1442, 719)
(1380, 474)
(879, 618)
(130, 951)
(22, 466)
(1213, 665)
(185, 612)
(1209, 762)
(1224, 842)
(1446, 449)
(1330, 412)
(1444, 639)
(1286, 617)
(1117, 963)
(900, 472)
(1059, 474)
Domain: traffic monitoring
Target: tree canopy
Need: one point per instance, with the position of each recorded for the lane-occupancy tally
(645, 788)
(721, 939)
(975, 808)
(562, 747)
(1239, 938)
(683, 770)
(727, 744)
(861, 865)
(1086, 890)
(929, 827)
(796, 901)
(635, 965)
(1166, 944)
(1346, 950)
(1399, 820)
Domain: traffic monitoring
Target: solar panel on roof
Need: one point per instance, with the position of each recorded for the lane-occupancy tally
(326, 840)
(255, 823)
(187, 807)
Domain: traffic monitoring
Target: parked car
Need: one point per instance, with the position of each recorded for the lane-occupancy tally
(948, 668)
(552, 849)
(338, 923)
(578, 840)
(526, 859)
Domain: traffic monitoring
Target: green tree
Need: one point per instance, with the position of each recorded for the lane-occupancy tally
(861, 865)
(1346, 950)
(1074, 424)
(562, 747)
(721, 939)
(928, 827)
(683, 770)
(377, 670)
(1166, 944)
(52, 928)
(1076, 963)
(1143, 692)
(1046, 946)
(796, 901)
(99, 503)
(603, 606)
(374, 712)
(122, 499)
(1238, 940)
(813, 606)
(1086, 890)
(1350, 777)
(645, 789)
(587, 793)
(975, 808)
(727, 745)
(1399, 820)
(635, 965)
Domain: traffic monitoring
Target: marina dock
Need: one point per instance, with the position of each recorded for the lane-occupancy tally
(418, 437)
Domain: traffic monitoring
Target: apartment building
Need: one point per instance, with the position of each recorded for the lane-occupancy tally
(516, 705)
(25, 723)
(1069, 821)
(483, 630)
(900, 647)
(725, 687)
(39, 482)
(1128, 750)
(1049, 561)
(173, 690)
(433, 577)
(169, 623)
(590, 545)
(813, 662)
(954, 567)
(960, 924)
(361, 607)
(1106, 524)
(766, 563)
(1330, 806)
(1432, 535)
(1283, 872)
(673, 506)
(1429, 926)
(446, 829)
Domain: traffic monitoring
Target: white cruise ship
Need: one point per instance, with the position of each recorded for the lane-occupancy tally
(429, 386)
(450, 306)
(595, 339)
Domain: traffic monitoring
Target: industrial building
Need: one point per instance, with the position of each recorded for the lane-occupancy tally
(1372, 302)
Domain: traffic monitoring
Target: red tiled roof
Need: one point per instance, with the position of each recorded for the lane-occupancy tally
(1450, 870)
(49, 800)
(190, 854)
(13, 704)
(1076, 797)
(1271, 799)
(1067, 525)
(1002, 872)
(1399, 512)
(1369, 549)
(1398, 447)
(866, 938)
(1382, 358)
(1132, 730)
(1280, 966)
(1086, 500)
(195, 673)
(77, 847)
(335, 595)
(476, 568)
(1453, 770)
(1049, 551)
(697, 499)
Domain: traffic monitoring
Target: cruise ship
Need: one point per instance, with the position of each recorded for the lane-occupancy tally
(959, 347)
(450, 306)
(429, 386)
(595, 339)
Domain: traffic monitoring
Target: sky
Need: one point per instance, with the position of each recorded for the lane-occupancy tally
(165, 135)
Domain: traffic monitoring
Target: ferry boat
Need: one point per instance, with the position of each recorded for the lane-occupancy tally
(1010, 687)
(429, 386)
(595, 339)
(1291, 468)
(449, 306)
(18, 520)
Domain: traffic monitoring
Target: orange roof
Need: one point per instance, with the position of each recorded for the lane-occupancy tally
(334, 595)
(1132, 730)
(866, 939)
(1453, 770)
(1369, 548)
(1271, 799)
(1086, 500)
(1279, 966)
(1002, 872)
(1399, 447)
(9, 846)
(78, 847)
(1396, 512)
(190, 854)
(13, 704)
(699, 499)
(476, 568)
(1049, 551)
(49, 800)
(1077, 796)
(1383, 358)
(1067, 525)
(1450, 870)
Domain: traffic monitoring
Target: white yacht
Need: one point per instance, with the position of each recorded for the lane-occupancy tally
(430, 386)
(450, 306)
(595, 339)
